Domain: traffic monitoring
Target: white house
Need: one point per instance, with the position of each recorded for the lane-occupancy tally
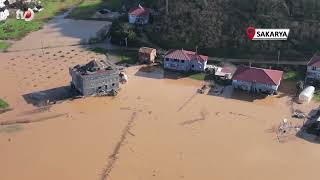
(313, 68)
(257, 79)
(138, 15)
(182, 60)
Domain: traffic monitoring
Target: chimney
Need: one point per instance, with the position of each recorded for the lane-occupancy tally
(250, 64)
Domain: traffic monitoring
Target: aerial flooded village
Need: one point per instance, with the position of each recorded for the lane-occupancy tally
(218, 89)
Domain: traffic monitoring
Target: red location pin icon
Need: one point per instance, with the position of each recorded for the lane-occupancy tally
(251, 31)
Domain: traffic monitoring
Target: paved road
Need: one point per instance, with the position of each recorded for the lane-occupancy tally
(60, 32)
(256, 61)
(108, 46)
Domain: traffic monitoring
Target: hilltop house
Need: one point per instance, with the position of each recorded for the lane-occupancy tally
(95, 78)
(147, 55)
(313, 69)
(258, 80)
(182, 60)
(138, 15)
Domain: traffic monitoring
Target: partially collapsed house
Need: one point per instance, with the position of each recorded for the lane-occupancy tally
(258, 80)
(147, 55)
(182, 60)
(95, 78)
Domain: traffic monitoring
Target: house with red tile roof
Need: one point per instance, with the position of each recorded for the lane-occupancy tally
(182, 60)
(138, 15)
(313, 68)
(258, 80)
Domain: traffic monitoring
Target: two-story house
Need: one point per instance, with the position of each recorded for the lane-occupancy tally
(138, 15)
(182, 60)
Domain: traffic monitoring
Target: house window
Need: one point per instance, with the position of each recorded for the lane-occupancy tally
(113, 84)
(182, 61)
(167, 59)
(314, 68)
(192, 66)
(175, 60)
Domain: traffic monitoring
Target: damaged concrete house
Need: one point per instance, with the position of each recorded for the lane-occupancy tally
(95, 78)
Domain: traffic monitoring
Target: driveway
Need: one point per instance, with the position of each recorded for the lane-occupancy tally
(60, 32)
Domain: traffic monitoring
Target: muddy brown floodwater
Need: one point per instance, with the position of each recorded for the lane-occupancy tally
(156, 128)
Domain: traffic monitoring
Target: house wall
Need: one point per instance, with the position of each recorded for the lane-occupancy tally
(153, 55)
(313, 73)
(89, 85)
(258, 87)
(144, 57)
(198, 65)
(140, 19)
(178, 65)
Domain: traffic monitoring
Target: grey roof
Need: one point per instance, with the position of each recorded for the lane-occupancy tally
(94, 66)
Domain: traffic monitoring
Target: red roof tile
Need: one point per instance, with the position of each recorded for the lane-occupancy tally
(139, 11)
(259, 75)
(185, 55)
(314, 61)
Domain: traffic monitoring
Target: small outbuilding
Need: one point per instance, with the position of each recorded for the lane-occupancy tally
(139, 15)
(147, 55)
(307, 94)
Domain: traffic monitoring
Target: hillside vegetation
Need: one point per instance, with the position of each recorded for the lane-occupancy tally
(218, 27)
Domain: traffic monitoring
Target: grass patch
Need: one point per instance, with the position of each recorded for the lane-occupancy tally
(197, 76)
(293, 75)
(16, 29)
(87, 8)
(316, 96)
(3, 104)
(120, 56)
(3, 46)
(11, 129)
(125, 57)
(99, 50)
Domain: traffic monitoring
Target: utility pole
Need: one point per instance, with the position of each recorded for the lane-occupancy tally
(167, 7)
(278, 56)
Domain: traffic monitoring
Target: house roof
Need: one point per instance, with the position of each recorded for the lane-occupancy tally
(259, 75)
(146, 50)
(185, 55)
(139, 11)
(95, 66)
(314, 61)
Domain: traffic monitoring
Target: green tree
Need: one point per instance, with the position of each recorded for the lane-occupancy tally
(120, 31)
